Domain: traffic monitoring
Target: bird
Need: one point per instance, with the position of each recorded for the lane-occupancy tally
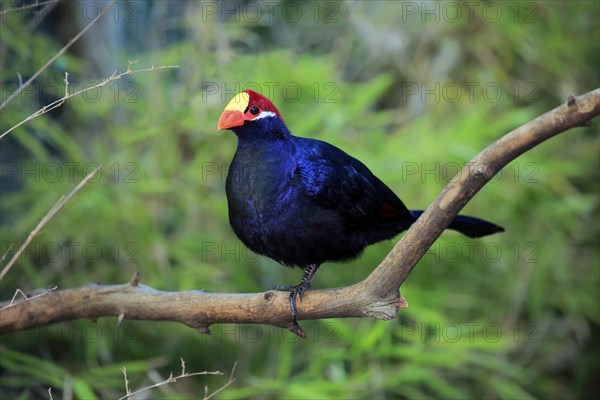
(302, 201)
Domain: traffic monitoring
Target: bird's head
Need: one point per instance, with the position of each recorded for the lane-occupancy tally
(247, 109)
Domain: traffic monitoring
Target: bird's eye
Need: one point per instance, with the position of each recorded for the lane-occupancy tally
(254, 110)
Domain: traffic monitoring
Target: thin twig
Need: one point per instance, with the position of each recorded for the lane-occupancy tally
(127, 390)
(225, 386)
(28, 6)
(12, 301)
(57, 103)
(36, 231)
(6, 253)
(60, 53)
(172, 379)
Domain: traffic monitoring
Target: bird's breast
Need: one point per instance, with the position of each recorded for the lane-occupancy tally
(259, 195)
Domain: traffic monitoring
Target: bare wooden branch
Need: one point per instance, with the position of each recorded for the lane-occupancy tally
(393, 270)
(196, 309)
(376, 296)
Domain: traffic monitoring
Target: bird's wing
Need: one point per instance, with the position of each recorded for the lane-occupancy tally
(334, 180)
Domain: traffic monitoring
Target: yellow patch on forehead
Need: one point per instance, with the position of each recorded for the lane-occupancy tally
(239, 102)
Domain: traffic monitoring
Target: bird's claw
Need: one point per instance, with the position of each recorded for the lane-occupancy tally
(295, 291)
(299, 290)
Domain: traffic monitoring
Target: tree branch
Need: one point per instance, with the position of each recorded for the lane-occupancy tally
(393, 270)
(376, 296)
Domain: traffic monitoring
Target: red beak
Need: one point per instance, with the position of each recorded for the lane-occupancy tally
(230, 119)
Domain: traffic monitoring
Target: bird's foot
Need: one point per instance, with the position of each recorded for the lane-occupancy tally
(295, 291)
(298, 291)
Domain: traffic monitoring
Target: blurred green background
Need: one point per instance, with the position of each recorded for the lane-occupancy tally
(413, 89)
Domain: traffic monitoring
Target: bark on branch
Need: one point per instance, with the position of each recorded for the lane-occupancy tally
(376, 296)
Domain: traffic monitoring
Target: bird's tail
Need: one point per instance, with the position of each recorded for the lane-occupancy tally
(468, 226)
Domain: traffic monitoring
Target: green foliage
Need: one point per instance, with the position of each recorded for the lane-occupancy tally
(511, 316)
